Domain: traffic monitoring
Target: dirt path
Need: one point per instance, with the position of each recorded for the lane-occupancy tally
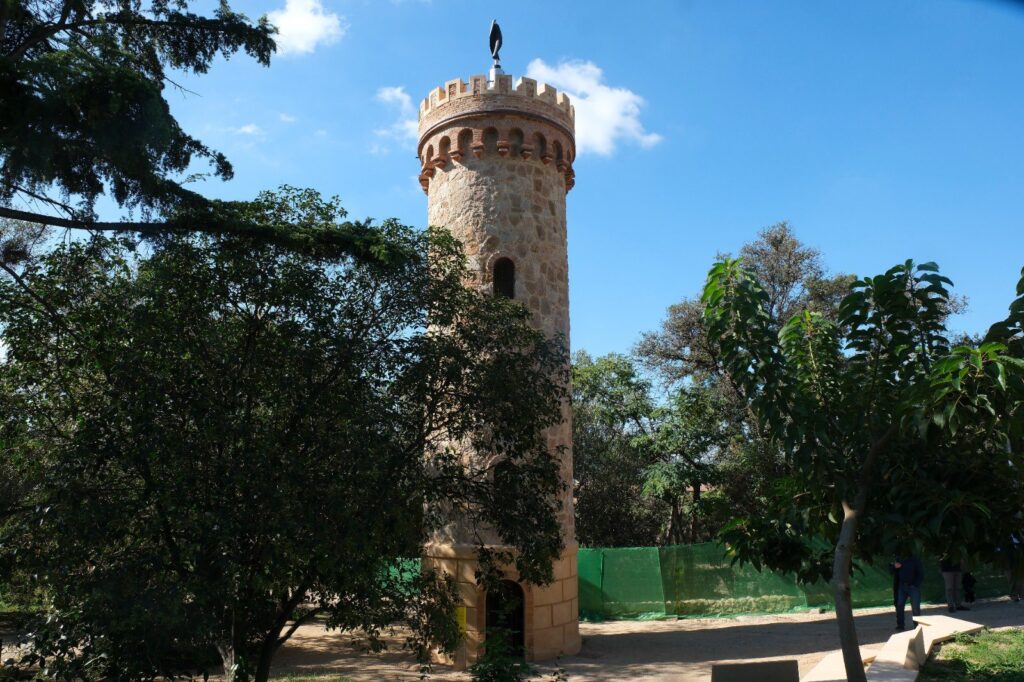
(642, 650)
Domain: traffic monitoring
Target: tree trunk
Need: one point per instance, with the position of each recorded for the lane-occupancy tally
(228, 658)
(266, 656)
(672, 537)
(694, 521)
(843, 559)
(844, 603)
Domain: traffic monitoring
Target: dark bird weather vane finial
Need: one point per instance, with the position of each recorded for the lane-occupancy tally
(496, 43)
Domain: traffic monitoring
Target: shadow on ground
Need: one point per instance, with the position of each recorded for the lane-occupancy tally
(645, 650)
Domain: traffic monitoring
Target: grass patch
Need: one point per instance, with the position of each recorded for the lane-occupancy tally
(990, 655)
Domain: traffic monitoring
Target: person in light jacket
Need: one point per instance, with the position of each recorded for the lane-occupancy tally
(952, 573)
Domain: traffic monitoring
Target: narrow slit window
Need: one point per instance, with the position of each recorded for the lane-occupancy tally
(505, 278)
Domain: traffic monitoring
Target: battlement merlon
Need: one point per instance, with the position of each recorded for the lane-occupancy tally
(480, 94)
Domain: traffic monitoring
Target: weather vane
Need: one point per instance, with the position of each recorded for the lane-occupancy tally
(496, 44)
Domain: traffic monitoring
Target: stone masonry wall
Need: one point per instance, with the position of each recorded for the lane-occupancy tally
(496, 163)
(514, 208)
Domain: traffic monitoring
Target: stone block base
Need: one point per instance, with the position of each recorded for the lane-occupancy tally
(551, 618)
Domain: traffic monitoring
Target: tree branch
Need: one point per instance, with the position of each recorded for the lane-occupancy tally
(77, 224)
(43, 33)
(356, 239)
(299, 622)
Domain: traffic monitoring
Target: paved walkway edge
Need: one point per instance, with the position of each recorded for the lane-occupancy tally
(901, 658)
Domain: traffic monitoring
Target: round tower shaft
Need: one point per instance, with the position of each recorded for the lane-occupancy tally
(496, 164)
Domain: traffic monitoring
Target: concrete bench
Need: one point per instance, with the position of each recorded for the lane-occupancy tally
(762, 671)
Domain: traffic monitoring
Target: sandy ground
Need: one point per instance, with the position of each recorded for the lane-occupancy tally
(634, 650)
(642, 650)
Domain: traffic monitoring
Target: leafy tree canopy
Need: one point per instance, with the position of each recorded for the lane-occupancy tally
(689, 437)
(641, 465)
(893, 439)
(744, 466)
(83, 110)
(216, 440)
(794, 278)
(612, 408)
(84, 114)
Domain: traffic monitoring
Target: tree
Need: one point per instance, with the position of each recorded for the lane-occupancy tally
(612, 407)
(640, 467)
(682, 354)
(794, 278)
(220, 439)
(688, 435)
(83, 113)
(892, 438)
(83, 107)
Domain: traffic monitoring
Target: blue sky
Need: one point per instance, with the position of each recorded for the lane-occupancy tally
(882, 130)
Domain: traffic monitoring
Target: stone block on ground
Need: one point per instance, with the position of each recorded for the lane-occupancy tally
(884, 671)
(905, 648)
(832, 669)
(762, 671)
(941, 628)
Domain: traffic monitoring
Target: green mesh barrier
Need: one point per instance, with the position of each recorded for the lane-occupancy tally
(590, 573)
(631, 585)
(699, 581)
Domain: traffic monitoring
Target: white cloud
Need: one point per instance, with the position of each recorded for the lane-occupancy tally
(287, 118)
(406, 128)
(604, 115)
(396, 94)
(248, 129)
(303, 25)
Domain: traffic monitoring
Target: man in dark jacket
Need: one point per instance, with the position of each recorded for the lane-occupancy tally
(909, 575)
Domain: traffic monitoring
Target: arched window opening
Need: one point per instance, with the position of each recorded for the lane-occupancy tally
(491, 140)
(540, 145)
(505, 615)
(515, 141)
(505, 278)
(464, 141)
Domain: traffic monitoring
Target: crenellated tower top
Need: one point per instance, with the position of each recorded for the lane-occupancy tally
(524, 118)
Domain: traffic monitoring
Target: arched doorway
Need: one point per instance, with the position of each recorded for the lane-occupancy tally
(506, 613)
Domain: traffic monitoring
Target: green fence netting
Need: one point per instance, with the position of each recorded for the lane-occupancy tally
(698, 580)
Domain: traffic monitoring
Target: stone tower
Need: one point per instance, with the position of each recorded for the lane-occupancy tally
(496, 161)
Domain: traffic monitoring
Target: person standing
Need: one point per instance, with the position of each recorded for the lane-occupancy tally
(952, 573)
(1015, 559)
(908, 574)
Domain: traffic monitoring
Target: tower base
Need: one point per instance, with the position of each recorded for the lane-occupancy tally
(551, 620)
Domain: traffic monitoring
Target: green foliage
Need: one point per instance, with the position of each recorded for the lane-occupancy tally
(640, 467)
(217, 439)
(744, 465)
(828, 398)
(498, 662)
(612, 406)
(794, 279)
(996, 656)
(84, 114)
(687, 436)
(83, 109)
(878, 402)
